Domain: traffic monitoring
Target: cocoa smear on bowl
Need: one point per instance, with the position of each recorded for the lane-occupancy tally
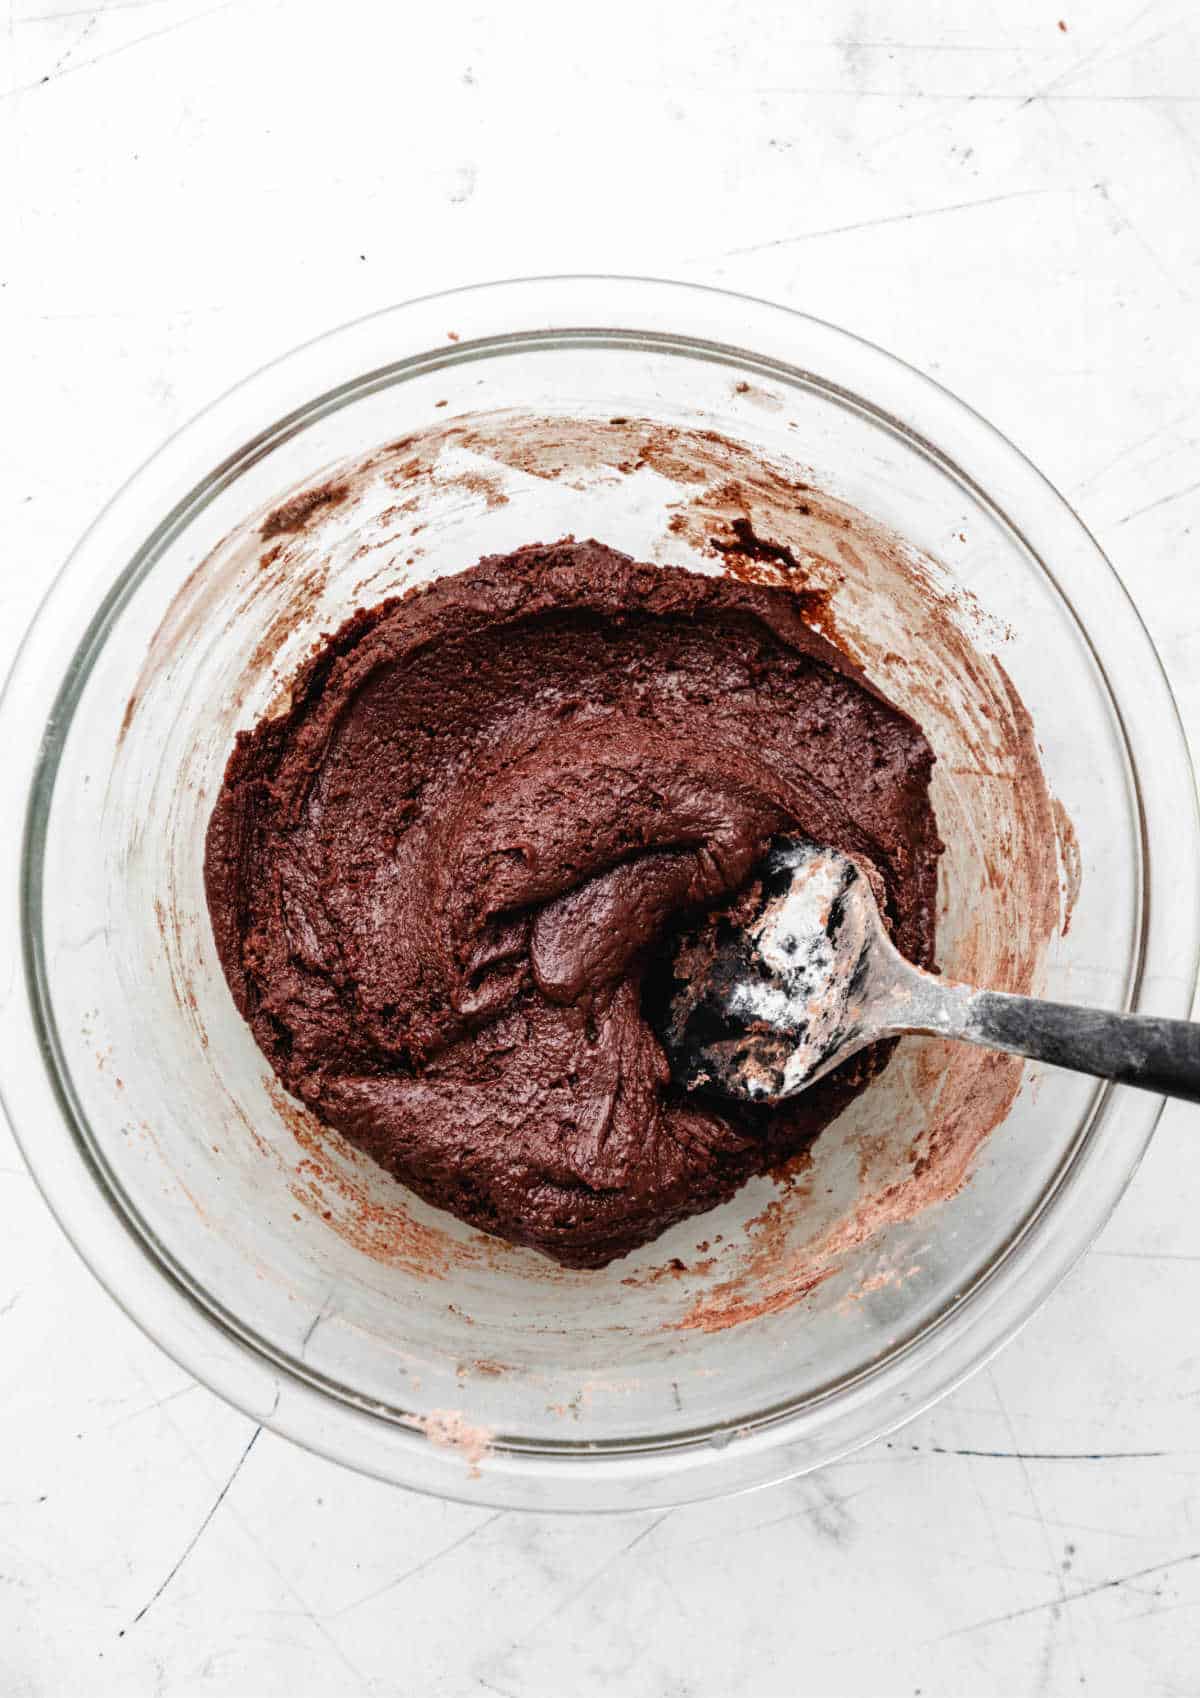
(928, 647)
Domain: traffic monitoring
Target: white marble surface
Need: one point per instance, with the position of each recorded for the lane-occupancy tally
(191, 188)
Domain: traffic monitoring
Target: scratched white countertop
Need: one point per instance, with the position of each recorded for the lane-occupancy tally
(1007, 201)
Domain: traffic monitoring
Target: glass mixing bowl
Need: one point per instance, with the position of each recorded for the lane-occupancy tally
(285, 1271)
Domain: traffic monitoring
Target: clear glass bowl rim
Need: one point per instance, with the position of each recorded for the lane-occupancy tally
(292, 391)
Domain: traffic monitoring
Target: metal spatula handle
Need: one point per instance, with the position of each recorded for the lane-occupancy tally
(1132, 1049)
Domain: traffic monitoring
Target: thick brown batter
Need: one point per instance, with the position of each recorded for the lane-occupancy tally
(436, 882)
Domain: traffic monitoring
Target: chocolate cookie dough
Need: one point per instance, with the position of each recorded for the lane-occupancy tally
(437, 882)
